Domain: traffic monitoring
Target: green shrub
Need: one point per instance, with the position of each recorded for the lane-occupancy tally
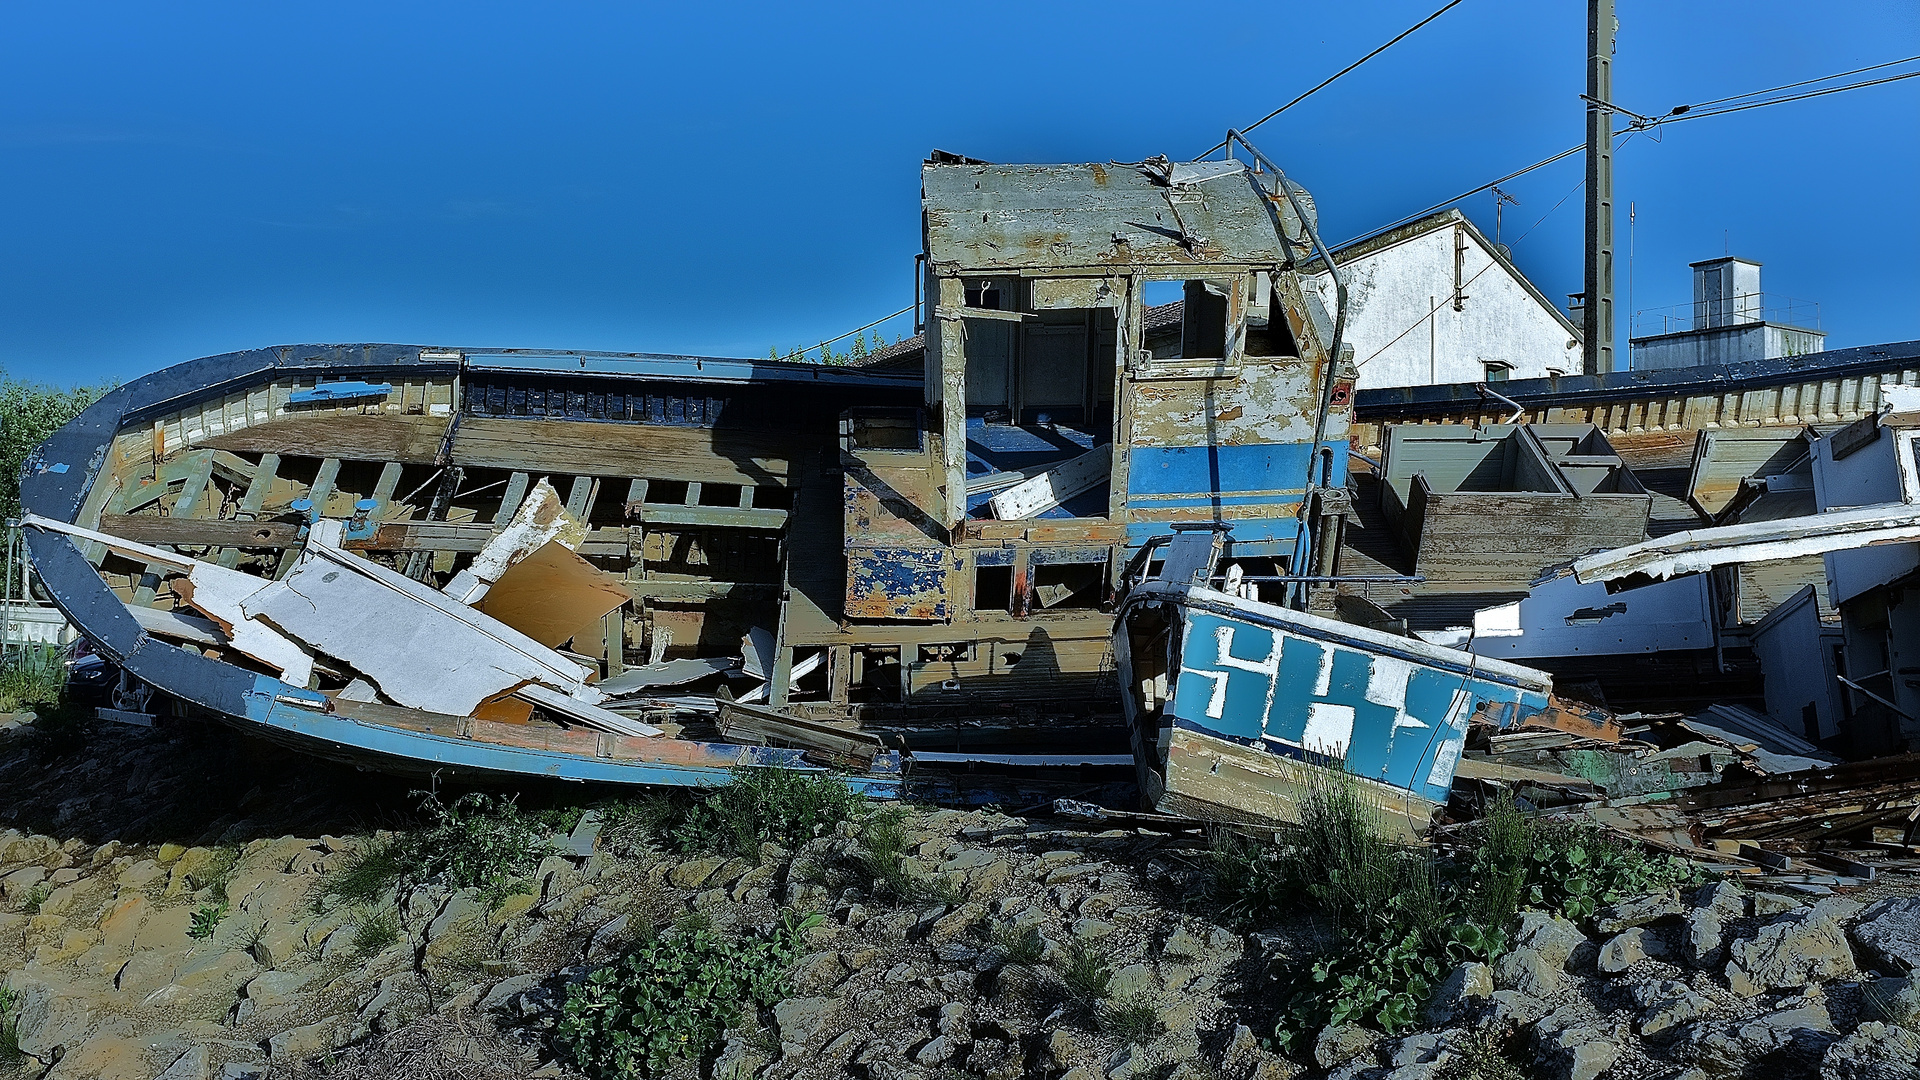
(32, 675)
(37, 896)
(478, 841)
(206, 919)
(1247, 877)
(375, 932)
(1576, 869)
(758, 805)
(670, 998)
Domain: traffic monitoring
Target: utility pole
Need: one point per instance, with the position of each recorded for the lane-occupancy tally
(1598, 316)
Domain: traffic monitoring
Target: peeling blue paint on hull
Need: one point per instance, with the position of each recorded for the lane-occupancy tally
(1261, 698)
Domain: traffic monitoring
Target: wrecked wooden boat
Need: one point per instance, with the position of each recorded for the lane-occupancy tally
(646, 568)
(1238, 707)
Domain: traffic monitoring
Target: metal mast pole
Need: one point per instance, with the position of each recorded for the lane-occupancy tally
(1598, 315)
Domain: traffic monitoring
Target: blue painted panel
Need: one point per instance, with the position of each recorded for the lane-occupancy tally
(1200, 470)
(1394, 720)
(1247, 532)
(340, 391)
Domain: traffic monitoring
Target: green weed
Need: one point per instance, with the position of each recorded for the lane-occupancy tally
(374, 933)
(882, 861)
(219, 872)
(206, 919)
(9, 1027)
(758, 805)
(670, 998)
(36, 897)
(477, 841)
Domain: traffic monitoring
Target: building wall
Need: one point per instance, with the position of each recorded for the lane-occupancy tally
(1404, 329)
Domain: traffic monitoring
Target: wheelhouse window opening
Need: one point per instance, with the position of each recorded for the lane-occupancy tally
(1041, 376)
(1268, 332)
(1189, 320)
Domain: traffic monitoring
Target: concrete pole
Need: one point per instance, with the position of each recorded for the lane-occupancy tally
(1598, 317)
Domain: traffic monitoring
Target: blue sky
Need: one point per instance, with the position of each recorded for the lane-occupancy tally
(722, 179)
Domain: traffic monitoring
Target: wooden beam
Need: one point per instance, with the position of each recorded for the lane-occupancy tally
(383, 489)
(580, 496)
(832, 745)
(516, 493)
(323, 483)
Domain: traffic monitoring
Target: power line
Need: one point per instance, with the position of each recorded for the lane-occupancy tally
(1680, 112)
(1330, 79)
(1806, 82)
(800, 354)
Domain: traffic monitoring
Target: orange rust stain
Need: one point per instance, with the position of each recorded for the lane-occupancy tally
(1099, 175)
(1230, 414)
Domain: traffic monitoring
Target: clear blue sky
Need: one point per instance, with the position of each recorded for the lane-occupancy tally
(180, 180)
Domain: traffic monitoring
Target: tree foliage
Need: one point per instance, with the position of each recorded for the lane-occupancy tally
(29, 412)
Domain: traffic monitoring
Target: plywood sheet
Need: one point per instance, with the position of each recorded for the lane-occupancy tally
(553, 594)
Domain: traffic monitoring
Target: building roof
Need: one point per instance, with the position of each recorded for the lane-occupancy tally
(1014, 217)
(1381, 241)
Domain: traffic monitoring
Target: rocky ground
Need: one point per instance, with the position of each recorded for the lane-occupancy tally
(118, 847)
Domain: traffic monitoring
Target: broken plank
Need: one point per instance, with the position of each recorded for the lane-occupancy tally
(510, 502)
(1055, 486)
(839, 746)
(589, 714)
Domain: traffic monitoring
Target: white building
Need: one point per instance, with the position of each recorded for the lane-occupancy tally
(1433, 302)
(1730, 321)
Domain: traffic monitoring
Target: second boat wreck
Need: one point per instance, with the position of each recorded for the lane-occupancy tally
(636, 568)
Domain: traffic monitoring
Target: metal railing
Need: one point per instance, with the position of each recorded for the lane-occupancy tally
(1740, 310)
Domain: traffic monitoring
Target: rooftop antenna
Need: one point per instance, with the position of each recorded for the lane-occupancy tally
(1500, 199)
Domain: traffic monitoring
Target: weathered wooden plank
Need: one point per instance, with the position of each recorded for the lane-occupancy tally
(590, 448)
(510, 502)
(832, 745)
(412, 440)
(1055, 486)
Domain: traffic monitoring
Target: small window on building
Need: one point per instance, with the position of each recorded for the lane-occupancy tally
(1497, 371)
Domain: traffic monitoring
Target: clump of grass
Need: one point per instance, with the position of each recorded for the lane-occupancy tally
(9, 1027)
(882, 861)
(1018, 945)
(1131, 1020)
(206, 919)
(1483, 1057)
(758, 805)
(367, 875)
(219, 871)
(36, 897)
(374, 933)
(1084, 972)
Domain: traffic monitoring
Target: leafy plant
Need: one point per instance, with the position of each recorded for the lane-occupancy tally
(36, 897)
(374, 933)
(206, 919)
(1575, 870)
(29, 413)
(670, 998)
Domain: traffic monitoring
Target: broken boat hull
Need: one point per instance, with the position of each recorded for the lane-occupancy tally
(1238, 708)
